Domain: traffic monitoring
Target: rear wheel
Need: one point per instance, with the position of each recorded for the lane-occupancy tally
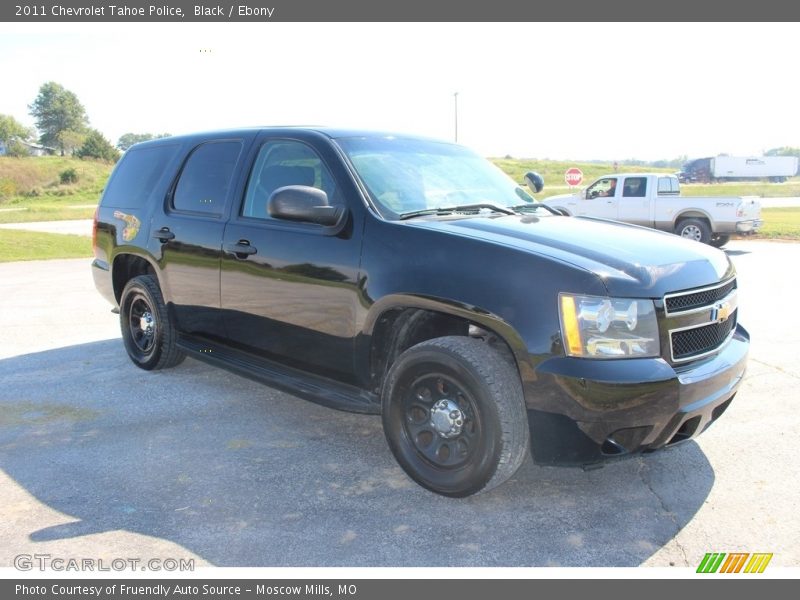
(694, 229)
(148, 332)
(454, 416)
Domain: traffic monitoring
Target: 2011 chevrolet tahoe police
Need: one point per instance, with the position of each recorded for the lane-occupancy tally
(411, 278)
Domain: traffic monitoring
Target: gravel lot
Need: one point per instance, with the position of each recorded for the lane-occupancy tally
(100, 459)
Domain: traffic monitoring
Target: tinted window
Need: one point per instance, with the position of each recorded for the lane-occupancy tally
(635, 187)
(282, 163)
(206, 178)
(137, 174)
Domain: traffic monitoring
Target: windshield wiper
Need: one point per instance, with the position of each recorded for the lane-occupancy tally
(448, 210)
(534, 206)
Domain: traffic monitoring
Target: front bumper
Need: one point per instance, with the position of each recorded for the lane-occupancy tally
(583, 411)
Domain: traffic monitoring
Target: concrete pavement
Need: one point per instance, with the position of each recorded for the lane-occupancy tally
(99, 458)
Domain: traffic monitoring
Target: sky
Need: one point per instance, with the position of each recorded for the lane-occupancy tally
(577, 91)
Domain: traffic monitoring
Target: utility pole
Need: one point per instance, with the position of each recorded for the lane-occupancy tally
(455, 100)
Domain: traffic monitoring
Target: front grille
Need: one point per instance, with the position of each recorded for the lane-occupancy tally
(686, 301)
(695, 342)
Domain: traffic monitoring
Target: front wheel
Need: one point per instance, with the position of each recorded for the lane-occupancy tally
(148, 332)
(454, 416)
(694, 229)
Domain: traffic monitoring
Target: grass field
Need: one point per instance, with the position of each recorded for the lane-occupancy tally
(31, 188)
(32, 245)
(554, 184)
(780, 223)
(790, 189)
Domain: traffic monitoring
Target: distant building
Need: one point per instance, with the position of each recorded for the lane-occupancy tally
(33, 149)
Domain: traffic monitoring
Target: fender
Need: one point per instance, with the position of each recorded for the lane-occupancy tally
(474, 314)
(694, 213)
(123, 251)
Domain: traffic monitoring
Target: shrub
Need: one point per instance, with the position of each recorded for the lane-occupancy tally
(68, 176)
(96, 146)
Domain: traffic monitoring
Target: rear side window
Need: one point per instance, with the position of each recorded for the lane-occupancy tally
(206, 178)
(137, 175)
(668, 185)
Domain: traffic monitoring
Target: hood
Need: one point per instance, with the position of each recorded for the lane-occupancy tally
(631, 261)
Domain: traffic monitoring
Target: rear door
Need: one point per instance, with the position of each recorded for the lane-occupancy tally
(634, 204)
(289, 289)
(187, 234)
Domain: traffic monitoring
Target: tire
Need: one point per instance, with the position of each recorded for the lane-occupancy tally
(718, 240)
(148, 332)
(454, 416)
(694, 229)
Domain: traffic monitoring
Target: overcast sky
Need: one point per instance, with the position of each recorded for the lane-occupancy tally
(567, 91)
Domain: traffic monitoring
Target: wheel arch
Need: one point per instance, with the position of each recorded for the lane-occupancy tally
(397, 322)
(127, 265)
(693, 213)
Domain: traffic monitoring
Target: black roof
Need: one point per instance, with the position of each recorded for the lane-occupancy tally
(329, 132)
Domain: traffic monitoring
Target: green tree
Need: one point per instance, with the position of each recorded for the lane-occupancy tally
(783, 151)
(71, 141)
(56, 110)
(97, 146)
(126, 140)
(11, 129)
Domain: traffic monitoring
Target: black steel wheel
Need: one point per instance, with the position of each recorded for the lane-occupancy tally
(454, 416)
(147, 330)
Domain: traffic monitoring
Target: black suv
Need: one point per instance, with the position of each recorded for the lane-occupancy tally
(411, 278)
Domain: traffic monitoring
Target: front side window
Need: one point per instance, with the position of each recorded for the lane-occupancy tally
(602, 188)
(206, 178)
(286, 162)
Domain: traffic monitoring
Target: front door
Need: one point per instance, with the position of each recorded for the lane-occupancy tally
(289, 288)
(599, 200)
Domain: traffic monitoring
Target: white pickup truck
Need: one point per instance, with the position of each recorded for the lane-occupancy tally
(654, 200)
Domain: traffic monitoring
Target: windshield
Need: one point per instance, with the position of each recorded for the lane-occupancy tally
(409, 175)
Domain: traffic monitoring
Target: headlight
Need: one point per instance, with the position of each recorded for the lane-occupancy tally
(601, 327)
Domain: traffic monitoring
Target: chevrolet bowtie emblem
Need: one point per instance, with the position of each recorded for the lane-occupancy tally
(721, 312)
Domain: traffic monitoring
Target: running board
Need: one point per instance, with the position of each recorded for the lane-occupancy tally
(315, 388)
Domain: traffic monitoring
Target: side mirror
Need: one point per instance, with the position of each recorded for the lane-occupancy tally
(305, 204)
(534, 181)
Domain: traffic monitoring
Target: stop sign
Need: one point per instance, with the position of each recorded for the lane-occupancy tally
(573, 176)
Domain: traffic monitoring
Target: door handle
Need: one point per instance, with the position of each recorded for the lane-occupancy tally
(242, 249)
(164, 234)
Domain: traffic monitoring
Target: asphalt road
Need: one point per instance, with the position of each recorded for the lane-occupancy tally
(100, 459)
